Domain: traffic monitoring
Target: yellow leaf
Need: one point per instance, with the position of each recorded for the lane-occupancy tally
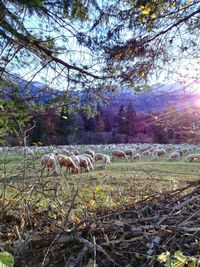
(78, 221)
(185, 6)
(163, 257)
(180, 257)
(97, 189)
(190, 1)
(91, 204)
(145, 10)
(153, 16)
(65, 117)
(173, 4)
(141, 8)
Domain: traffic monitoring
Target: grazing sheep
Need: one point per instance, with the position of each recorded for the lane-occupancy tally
(68, 163)
(144, 148)
(76, 160)
(160, 152)
(89, 152)
(192, 157)
(76, 152)
(90, 157)
(71, 153)
(136, 157)
(151, 150)
(184, 150)
(49, 161)
(181, 152)
(119, 154)
(106, 161)
(65, 152)
(57, 151)
(174, 155)
(87, 157)
(98, 156)
(128, 152)
(84, 163)
(146, 153)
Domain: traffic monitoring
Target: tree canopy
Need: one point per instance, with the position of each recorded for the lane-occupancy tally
(98, 44)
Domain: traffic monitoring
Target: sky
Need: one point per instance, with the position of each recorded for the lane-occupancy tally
(186, 71)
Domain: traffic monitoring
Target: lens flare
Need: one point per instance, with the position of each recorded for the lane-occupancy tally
(197, 103)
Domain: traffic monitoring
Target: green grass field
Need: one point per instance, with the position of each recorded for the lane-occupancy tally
(120, 184)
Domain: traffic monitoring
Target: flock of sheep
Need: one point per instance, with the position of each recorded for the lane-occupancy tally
(73, 161)
(156, 152)
(55, 158)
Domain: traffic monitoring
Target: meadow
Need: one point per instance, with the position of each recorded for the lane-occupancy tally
(35, 207)
(120, 184)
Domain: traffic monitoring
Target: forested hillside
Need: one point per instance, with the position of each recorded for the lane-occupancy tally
(163, 114)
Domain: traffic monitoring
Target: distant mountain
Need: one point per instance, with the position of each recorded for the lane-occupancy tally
(157, 99)
(33, 91)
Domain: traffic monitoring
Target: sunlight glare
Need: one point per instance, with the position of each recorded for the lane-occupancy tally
(197, 103)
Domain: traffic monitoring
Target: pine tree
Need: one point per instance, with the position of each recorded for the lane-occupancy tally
(64, 116)
(68, 123)
(37, 133)
(130, 120)
(122, 119)
(100, 124)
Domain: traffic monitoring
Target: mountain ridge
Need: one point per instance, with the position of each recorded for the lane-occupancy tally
(157, 99)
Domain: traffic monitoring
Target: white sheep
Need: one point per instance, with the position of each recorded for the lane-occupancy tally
(76, 152)
(160, 152)
(89, 152)
(128, 152)
(57, 151)
(87, 157)
(106, 161)
(174, 155)
(192, 157)
(98, 156)
(49, 161)
(76, 160)
(64, 151)
(90, 157)
(144, 148)
(146, 153)
(119, 154)
(136, 157)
